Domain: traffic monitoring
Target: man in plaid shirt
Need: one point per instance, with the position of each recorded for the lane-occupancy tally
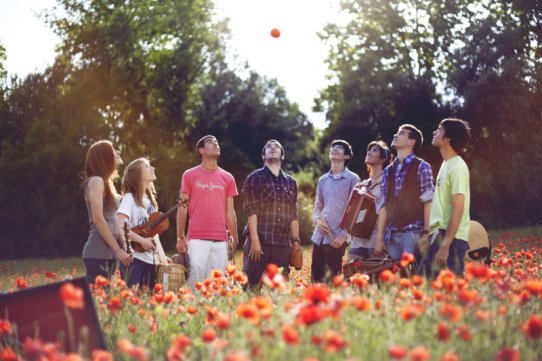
(270, 202)
(407, 192)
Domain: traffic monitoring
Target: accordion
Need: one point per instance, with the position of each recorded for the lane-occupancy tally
(360, 216)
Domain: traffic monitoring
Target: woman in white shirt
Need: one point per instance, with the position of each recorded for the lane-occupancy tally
(137, 204)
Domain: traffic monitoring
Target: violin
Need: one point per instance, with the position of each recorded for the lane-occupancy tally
(157, 223)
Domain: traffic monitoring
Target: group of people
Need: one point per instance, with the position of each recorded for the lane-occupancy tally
(414, 215)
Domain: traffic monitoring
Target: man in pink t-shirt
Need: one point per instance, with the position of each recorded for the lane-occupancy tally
(209, 190)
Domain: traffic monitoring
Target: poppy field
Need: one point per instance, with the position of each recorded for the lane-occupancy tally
(493, 313)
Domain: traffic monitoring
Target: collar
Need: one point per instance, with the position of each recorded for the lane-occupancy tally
(343, 174)
(408, 159)
(267, 170)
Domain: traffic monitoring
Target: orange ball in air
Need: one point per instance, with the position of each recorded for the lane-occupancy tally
(275, 32)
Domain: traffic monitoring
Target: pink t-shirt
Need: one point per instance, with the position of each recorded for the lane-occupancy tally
(208, 191)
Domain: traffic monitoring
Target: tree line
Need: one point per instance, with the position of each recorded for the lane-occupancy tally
(152, 77)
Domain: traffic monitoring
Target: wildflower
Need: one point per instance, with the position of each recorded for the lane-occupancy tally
(223, 321)
(397, 352)
(417, 280)
(9, 355)
(317, 293)
(114, 304)
(388, 276)
(360, 280)
(464, 333)
(208, 335)
(533, 327)
(449, 356)
(451, 312)
(72, 296)
(50, 275)
(5, 328)
(248, 311)
(236, 356)
(443, 334)
(177, 348)
(419, 353)
(290, 335)
(216, 274)
(507, 354)
(405, 283)
(192, 310)
(465, 296)
(21, 283)
(478, 270)
(101, 281)
(333, 341)
(310, 314)
(132, 328)
(411, 311)
(407, 259)
(101, 355)
(362, 303)
(534, 287)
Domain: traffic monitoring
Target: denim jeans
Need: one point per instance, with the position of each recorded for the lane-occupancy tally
(140, 273)
(99, 267)
(402, 242)
(455, 261)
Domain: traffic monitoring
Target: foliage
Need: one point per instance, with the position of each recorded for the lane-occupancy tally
(404, 61)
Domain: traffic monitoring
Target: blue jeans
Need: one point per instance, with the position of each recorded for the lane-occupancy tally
(99, 267)
(402, 242)
(455, 261)
(139, 273)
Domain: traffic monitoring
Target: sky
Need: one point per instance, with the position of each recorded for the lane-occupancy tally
(296, 59)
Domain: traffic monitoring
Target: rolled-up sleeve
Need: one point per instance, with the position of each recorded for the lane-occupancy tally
(425, 180)
(251, 199)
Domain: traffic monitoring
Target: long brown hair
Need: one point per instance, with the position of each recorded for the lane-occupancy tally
(100, 162)
(131, 183)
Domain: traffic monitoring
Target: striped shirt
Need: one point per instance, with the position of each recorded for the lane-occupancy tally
(332, 193)
(273, 199)
(425, 182)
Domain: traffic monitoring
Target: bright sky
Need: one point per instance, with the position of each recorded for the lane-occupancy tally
(296, 58)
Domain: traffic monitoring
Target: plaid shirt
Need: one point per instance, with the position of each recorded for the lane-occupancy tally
(274, 201)
(425, 181)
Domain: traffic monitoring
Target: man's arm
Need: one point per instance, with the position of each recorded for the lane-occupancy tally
(231, 220)
(382, 219)
(458, 207)
(252, 207)
(181, 223)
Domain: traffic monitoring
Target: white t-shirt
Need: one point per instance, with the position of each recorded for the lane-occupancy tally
(138, 215)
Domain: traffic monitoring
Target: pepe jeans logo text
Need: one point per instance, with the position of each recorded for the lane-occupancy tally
(210, 186)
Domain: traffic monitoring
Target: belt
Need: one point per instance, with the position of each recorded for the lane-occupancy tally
(215, 240)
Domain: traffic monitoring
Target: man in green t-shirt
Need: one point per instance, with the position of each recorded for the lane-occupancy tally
(450, 212)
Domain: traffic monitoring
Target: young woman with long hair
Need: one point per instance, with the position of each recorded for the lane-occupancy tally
(378, 157)
(101, 199)
(137, 204)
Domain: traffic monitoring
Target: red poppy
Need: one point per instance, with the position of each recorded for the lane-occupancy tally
(451, 312)
(533, 327)
(407, 259)
(318, 292)
(208, 335)
(21, 283)
(5, 328)
(443, 334)
(419, 353)
(508, 354)
(397, 352)
(290, 335)
(310, 314)
(449, 356)
(72, 296)
(101, 281)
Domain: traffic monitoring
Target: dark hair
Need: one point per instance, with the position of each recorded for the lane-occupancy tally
(458, 131)
(274, 141)
(385, 153)
(414, 133)
(201, 143)
(346, 146)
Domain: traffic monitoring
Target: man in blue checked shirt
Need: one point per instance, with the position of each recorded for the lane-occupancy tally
(270, 202)
(407, 193)
(329, 240)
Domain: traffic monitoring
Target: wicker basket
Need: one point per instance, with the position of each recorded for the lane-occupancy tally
(171, 276)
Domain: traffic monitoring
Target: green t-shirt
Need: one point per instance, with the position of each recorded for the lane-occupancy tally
(453, 178)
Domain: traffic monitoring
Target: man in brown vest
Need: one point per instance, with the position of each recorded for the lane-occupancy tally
(407, 191)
